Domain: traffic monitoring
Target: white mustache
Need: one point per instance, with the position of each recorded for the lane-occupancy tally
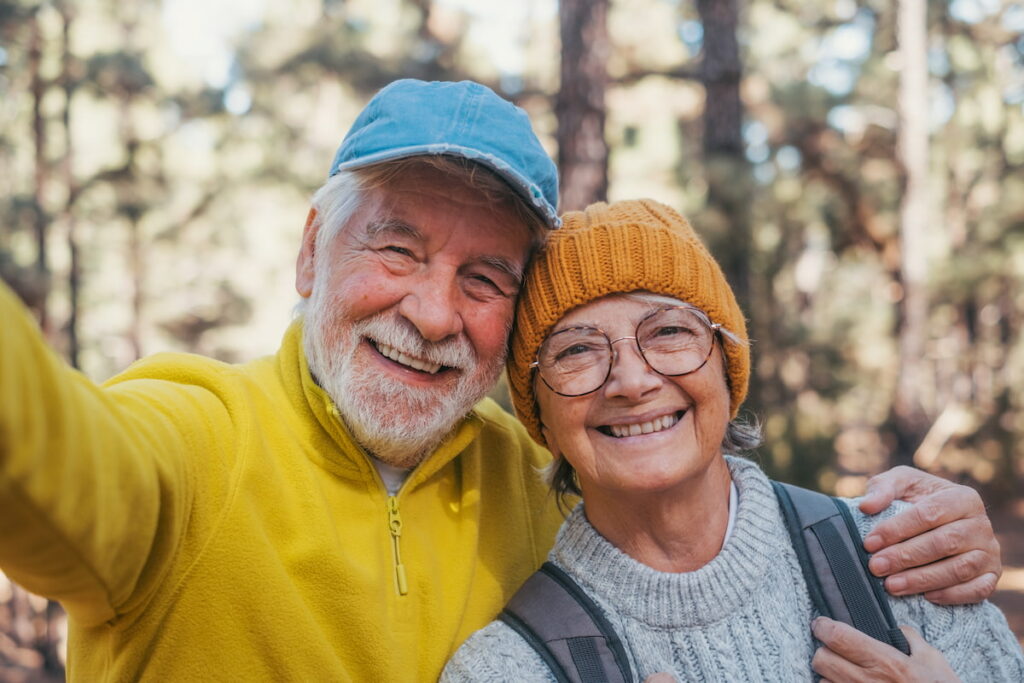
(400, 335)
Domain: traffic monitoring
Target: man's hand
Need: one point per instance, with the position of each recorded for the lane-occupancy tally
(943, 546)
(849, 655)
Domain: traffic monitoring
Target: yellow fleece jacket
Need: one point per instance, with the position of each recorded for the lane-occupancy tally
(205, 521)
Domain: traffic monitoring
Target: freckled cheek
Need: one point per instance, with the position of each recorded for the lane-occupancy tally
(487, 328)
(365, 294)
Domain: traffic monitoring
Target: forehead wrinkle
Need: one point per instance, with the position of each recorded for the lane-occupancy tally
(561, 326)
(632, 322)
(653, 302)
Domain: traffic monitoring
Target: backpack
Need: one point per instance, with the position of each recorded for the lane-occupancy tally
(570, 633)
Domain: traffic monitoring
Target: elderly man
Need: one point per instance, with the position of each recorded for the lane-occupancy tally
(349, 508)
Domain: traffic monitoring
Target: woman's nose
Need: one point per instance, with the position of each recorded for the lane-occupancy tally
(630, 377)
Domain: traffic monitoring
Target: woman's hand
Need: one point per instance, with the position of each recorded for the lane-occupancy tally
(943, 546)
(849, 655)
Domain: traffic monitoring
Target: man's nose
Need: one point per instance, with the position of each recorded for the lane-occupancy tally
(630, 377)
(433, 307)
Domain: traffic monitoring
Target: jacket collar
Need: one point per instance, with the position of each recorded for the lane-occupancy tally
(341, 453)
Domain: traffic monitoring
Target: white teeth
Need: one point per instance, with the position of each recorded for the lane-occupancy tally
(656, 425)
(399, 357)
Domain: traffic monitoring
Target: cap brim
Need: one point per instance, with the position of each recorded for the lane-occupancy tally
(529, 192)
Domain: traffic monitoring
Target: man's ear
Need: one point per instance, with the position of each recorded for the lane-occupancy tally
(305, 266)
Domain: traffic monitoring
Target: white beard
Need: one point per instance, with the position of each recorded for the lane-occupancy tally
(397, 423)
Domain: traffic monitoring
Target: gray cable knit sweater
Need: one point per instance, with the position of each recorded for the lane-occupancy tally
(745, 616)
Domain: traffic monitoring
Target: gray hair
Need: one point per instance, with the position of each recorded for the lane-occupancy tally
(742, 434)
(346, 192)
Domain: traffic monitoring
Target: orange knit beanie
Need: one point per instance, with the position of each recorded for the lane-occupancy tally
(617, 248)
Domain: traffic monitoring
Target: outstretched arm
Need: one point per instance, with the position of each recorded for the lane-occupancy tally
(943, 546)
(92, 485)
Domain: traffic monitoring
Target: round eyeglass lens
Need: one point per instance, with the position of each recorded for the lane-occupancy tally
(575, 361)
(675, 341)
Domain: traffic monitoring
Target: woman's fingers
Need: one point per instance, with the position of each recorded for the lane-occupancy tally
(848, 655)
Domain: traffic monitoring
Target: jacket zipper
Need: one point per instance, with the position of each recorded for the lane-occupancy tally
(395, 526)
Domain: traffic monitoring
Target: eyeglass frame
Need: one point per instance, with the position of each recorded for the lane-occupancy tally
(715, 328)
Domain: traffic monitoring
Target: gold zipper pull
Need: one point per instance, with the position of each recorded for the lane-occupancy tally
(395, 525)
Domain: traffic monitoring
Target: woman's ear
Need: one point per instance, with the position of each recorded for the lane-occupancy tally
(550, 440)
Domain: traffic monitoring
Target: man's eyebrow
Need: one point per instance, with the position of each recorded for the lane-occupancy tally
(390, 226)
(511, 269)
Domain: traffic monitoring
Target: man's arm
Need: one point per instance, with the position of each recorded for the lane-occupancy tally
(943, 546)
(92, 481)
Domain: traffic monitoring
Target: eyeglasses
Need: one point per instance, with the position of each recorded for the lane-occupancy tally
(673, 341)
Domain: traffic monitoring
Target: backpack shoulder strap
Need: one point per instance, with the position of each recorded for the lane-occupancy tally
(835, 564)
(567, 629)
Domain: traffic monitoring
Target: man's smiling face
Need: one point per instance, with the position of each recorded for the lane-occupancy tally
(410, 307)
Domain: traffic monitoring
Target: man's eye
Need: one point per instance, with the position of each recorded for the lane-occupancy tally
(481, 285)
(486, 280)
(398, 250)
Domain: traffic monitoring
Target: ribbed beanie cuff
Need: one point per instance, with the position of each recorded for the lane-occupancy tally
(617, 248)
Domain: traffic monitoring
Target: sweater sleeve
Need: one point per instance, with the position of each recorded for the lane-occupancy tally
(94, 482)
(975, 639)
(496, 653)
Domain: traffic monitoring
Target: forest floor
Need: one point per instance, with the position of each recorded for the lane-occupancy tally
(1008, 522)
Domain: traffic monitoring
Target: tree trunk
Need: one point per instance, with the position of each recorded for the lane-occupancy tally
(909, 416)
(38, 88)
(726, 168)
(579, 106)
(74, 266)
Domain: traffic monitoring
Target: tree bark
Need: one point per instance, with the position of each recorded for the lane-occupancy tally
(726, 168)
(68, 79)
(38, 89)
(579, 105)
(910, 418)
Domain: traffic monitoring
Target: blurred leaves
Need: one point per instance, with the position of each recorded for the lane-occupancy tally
(175, 182)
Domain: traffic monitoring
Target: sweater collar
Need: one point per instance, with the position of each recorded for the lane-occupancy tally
(335, 448)
(688, 599)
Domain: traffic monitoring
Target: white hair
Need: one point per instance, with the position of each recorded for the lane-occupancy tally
(396, 422)
(336, 201)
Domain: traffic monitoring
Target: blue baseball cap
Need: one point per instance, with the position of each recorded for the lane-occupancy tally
(412, 118)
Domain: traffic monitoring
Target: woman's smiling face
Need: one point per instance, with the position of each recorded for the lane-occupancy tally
(682, 420)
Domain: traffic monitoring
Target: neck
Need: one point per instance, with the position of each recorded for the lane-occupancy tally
(677, 530)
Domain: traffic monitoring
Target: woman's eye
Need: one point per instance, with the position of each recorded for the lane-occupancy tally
(672, 331)
(574, 350)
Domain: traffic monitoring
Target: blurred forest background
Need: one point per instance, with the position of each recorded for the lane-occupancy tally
(857, 166)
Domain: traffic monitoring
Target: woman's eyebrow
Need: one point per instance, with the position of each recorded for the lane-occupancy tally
(579, 323)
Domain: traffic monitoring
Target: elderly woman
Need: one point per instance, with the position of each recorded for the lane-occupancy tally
(630, 362)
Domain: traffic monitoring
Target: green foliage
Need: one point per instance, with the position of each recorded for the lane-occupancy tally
(183, 189)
